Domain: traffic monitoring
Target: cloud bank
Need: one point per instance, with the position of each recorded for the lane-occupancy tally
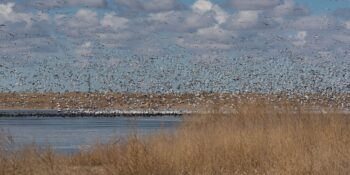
(122, 24)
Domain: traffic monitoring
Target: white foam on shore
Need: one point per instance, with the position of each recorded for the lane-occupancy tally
(89, 112)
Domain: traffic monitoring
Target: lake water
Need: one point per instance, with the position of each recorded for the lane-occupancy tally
(71, 134)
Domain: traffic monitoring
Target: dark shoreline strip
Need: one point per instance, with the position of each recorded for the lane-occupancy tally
(112, 113)
(88, 113)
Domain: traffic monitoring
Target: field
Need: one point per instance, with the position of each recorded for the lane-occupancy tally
(260, 137)
(171, 101)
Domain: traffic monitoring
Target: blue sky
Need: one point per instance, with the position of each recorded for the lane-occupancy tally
(109, 33)
(324, 6)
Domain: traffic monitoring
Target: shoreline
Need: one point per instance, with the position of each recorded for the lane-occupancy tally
(90, 113)
(122, 113)
(138, 104)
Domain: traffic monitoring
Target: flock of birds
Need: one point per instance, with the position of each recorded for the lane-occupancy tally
(178, 74)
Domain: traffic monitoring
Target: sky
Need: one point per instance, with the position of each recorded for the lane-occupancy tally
(137, 40)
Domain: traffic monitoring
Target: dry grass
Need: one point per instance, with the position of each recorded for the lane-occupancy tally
(258, 139)
(177, 101)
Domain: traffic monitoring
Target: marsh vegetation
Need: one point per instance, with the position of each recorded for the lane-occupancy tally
(259, 138)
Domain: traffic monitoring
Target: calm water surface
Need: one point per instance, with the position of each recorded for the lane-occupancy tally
(72, 134)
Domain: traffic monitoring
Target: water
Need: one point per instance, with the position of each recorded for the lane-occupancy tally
(72, 134)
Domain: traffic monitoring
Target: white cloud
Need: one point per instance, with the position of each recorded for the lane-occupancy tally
(84, 18)
(341, 38)
(107, 31)
(247, 18)
(300, 39)
(149, 5)
(203, 14)
(86, 15)
(83, 23)
(194, 21)
(203, 46)
(204, 6)
(113, 21)
(211, 38)
(160, 5)
(314, 23)
(115, 39)
(180, 21)
(254, 4)
(347, 25)
(7, 14)
(286, 8)
(6, 9)
(91, 3)
(85, 49)
(243, 19)
(220, 15)
(16, 24)
(43, 4)
(162, 17)
(215, 34)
